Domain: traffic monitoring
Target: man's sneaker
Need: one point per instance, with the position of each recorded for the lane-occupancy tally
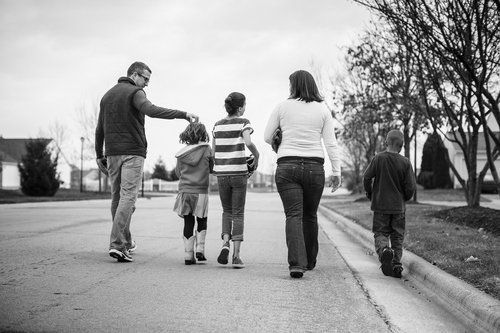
(396, 271)
(120, 256)
(224, 254)
(237, 263)
(132, 247)
(200, 256)
(386, 260)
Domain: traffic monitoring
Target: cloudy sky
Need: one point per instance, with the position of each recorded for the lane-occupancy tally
(61, 56)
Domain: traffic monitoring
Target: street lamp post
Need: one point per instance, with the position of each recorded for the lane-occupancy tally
(81, 165)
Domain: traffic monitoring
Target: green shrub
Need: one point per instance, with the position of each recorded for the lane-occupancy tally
(38, 170)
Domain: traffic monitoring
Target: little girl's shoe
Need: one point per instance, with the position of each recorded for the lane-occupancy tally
(200, 245)
(189, 251)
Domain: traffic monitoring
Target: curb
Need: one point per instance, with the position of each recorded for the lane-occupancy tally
(474, 307)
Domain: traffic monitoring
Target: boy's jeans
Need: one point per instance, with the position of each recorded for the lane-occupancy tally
(233, 192)
(300, 184)
(389, 226)
(125, 174)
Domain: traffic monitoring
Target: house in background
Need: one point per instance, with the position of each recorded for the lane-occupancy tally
(457, 156)
(11, 153)
(91, 179)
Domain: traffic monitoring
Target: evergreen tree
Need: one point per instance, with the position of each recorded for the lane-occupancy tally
(160, 171)
(172, 176)
(434, 170)
(38, 170)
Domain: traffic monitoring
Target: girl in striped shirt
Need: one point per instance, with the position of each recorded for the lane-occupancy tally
(230, 136)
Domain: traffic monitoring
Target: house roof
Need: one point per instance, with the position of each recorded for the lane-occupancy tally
(12, 150)
(481, 142)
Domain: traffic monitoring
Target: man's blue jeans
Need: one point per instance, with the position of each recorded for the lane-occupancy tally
(233, 192)
(125, 174)
(300, 183)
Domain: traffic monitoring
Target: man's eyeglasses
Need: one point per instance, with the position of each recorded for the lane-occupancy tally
(146, 79)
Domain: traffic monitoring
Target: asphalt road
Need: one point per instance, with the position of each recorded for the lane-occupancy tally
(56, 275)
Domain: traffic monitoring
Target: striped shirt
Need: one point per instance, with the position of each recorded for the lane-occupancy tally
(230, 156)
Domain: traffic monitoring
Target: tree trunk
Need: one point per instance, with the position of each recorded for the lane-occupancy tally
(407, 141)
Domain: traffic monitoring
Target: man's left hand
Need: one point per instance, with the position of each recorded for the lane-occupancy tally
(102, 164)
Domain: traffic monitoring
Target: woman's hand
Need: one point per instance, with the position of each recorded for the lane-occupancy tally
(335, 183)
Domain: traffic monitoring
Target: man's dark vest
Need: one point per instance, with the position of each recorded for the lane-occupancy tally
(123, 124)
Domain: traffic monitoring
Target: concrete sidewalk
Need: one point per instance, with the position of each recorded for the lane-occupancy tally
(473, 307)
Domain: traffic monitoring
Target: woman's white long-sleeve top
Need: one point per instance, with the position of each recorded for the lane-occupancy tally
(303, 125)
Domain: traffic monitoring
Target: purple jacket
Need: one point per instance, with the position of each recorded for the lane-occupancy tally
(194, 164)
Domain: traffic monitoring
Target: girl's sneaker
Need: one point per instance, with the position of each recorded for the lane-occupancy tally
(224, 254)
(238, 263)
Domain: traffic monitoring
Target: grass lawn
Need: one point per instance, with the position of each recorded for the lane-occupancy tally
(444, 237)
(443, 195)
(16, 196)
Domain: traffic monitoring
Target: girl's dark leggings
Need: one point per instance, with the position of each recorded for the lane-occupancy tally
(189, 224)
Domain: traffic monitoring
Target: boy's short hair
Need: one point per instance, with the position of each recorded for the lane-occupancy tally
(193, 134)
(395, 138)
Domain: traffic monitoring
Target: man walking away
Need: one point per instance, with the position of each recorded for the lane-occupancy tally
(121, 129)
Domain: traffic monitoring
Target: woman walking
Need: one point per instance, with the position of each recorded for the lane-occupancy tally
(304, 120)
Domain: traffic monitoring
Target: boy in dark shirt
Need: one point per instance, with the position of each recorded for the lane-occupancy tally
(389, 182)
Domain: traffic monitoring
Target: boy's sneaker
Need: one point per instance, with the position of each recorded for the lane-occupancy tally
(224, 254)
(396, 271)
(237, 263)
(133, 247)
(386, 260)
(120, 256)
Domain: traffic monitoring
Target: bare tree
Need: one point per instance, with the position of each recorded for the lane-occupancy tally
(59, 134)
(87, 118)
(457, 47)
(365, 118)
(391, 66)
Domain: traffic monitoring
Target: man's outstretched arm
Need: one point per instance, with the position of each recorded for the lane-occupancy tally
(146, 107)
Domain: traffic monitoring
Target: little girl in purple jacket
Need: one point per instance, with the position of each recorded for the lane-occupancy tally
(194, 164)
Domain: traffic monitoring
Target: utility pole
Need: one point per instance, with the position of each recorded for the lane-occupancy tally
(81, 165)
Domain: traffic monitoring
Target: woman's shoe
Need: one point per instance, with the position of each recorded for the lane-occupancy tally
(296, 273)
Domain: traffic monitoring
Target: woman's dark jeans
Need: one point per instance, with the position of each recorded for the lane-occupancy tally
(300, 183)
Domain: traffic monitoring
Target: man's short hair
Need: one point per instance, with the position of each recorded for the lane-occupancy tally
(138, 67)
